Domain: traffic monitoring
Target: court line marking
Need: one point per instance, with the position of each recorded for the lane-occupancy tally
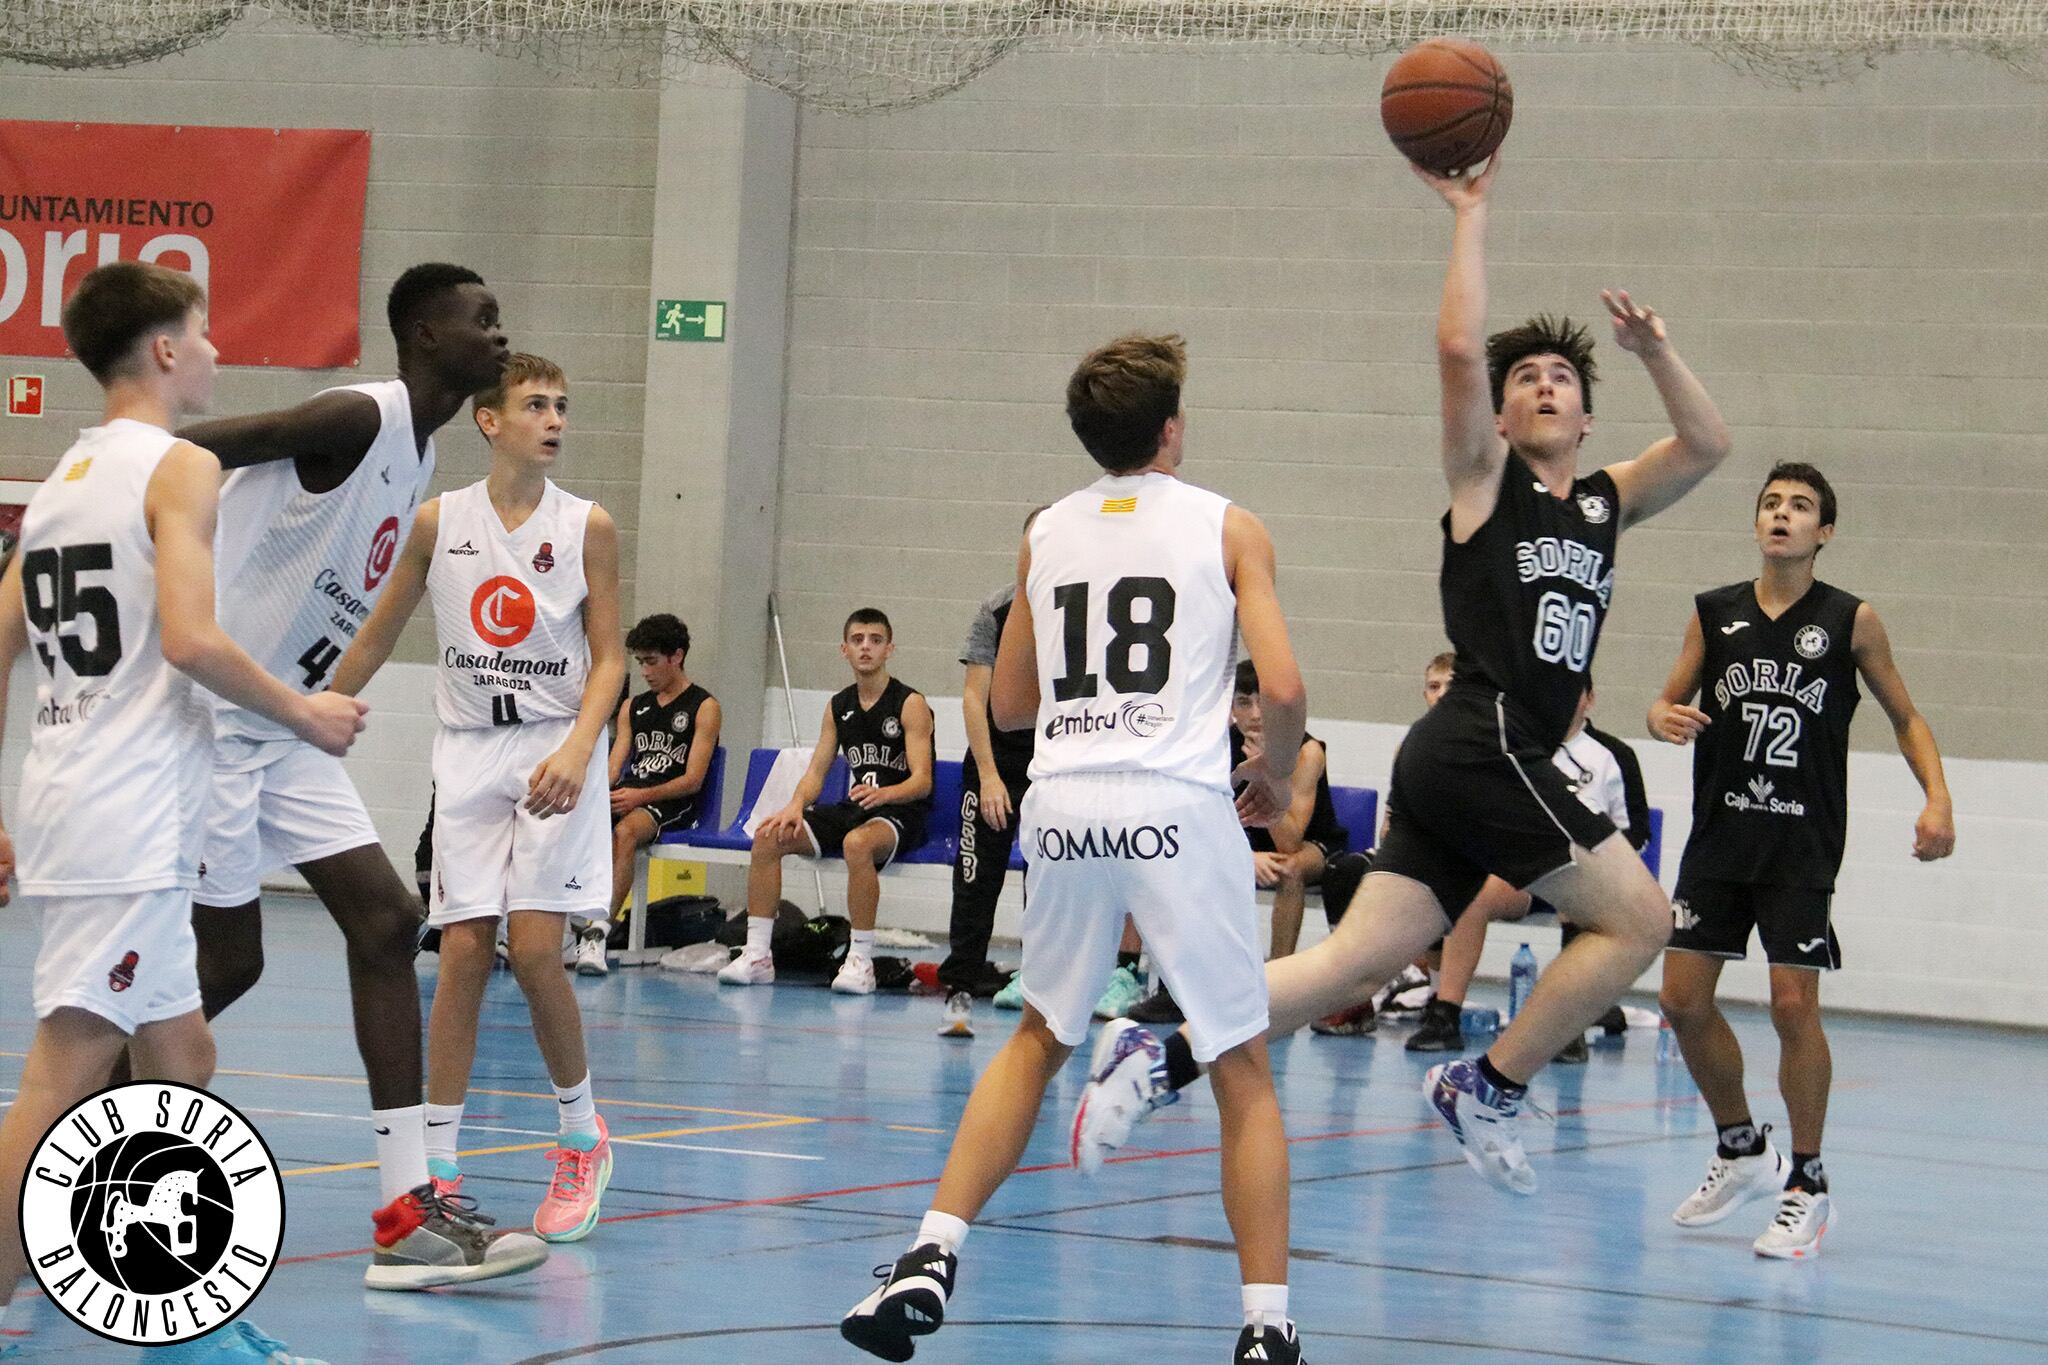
(633, 1139)
(556, 1139)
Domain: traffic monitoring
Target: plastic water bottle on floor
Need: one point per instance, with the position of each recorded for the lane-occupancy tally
(1667, 1042)
(1521, 981)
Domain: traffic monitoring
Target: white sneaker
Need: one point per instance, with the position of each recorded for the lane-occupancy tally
(856, 976)
(754, 967)
(1794, 1235)
(590, 957)
(1484, 1122)
(1126, 1082)
(1731, 1183)
(959, 1021)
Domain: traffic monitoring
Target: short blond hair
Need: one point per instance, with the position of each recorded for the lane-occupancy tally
(520, 368)
(1122, 395)
(1446, 662)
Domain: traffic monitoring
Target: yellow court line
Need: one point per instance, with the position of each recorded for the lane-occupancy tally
(906, 1128)
(543, 1146)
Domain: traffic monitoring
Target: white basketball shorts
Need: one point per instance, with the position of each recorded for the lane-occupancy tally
(491, 855)
(129, 958)
(1172, 855)
(275, 803)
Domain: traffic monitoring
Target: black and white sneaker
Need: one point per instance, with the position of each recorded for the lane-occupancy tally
(911, 1302)
(1264, 1343)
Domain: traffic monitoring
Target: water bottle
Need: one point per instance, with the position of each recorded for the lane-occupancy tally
(1521, 981)
(1480, 1020)
(1667, 1042)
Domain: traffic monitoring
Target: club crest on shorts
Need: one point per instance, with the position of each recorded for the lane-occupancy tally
(1811, 641)
(1593, 508)
(544, 557)
(152, 1213)
(892, 727)
(122, 975)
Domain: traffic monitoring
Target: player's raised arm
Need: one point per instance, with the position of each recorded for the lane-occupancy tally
(1672, 467)
(1283, 701)
(379, 634)
(1934, 833)
(1473, 448)
(1672, 716)
(328, 435)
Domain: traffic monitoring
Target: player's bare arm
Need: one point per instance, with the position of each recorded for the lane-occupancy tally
(557, 784)
(993, 797)
(13, 635)
(328, 435)
(1013, 691)
(1249, 563)
(917, 745)
(379, 634)
(1934, 833)
(1674, 466)
(1474, 452)
(1673, 718)
(179, 505)
(622, 749)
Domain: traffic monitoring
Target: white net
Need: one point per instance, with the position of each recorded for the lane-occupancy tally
(870, 55)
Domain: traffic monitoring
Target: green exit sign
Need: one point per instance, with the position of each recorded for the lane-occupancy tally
(689, 320)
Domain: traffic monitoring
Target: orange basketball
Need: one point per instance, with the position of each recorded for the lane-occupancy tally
(1446, 104)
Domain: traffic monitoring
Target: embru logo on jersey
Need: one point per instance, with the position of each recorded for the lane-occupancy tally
(544, 557)
(465, 548)
(1758, 798)
(1811, 641)
(383, 549)
(891, 728)
(1140, 843)
(1593, 508)
(1120, 504)
(1732, 627)
(122, 975)
(1141, 719)
(502, 610)
(152, 1213)
(1682, 915)
(77, 471)
(78, 708)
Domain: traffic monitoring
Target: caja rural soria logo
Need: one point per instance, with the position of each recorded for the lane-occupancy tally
(152, 1213)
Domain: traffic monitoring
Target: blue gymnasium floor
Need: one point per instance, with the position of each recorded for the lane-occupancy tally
(776, 1143)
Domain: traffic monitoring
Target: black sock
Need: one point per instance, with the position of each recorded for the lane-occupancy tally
(1129, 960)
(1514, 1090)
(1740, 1138)
(1181, 1068)
(1807, 1174)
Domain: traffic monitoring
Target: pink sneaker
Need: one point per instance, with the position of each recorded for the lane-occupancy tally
(570, 1210)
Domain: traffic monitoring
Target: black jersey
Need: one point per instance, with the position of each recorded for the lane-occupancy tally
(871, 739)
(1524, 598)
(1770, 775)
(661, 737)
(1322, 827)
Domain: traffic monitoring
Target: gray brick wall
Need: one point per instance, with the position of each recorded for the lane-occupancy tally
(547, 191)
(1855, 269)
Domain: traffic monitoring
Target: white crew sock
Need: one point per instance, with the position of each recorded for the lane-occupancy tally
(579, 1110)
(401, 1149)
(760, 930)
(443, 1131)
(1265, 1301)
(943, 1228)
(862, 944)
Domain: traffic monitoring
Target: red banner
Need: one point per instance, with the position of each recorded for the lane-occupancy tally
(269, 220)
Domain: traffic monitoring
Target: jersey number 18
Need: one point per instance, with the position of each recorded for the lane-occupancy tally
(1130, 638)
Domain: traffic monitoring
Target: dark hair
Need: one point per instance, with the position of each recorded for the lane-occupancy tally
(868, 616)
(1122, 395)
(1795, 471)
(1541, 335)
(415, 291)
(1247, 678)
(120, 303)
(660, 633)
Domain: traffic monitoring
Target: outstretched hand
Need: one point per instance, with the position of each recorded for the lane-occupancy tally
(1459, 191)
(1637, 330)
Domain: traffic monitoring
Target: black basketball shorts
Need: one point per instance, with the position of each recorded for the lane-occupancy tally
(829, 826)
(673, 814)
(1793, 922)
(1473, 793)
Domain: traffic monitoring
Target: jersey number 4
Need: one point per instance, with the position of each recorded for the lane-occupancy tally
(58, 604)
(1129, 637)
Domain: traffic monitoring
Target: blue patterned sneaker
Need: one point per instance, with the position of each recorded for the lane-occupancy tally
(1124, 990)
(1011, 997)
(238, 1343)
(1126, 1082)
(1482, 1119)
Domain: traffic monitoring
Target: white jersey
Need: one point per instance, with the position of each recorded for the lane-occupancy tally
(298, 572)
(1137, 631)
(508, 610)
(114, 784)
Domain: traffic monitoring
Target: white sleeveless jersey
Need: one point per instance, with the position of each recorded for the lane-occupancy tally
(1137, 631)
(113, 788)
(508, 610)
(298, 572)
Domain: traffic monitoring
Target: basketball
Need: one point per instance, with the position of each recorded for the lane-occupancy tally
(1446, 104)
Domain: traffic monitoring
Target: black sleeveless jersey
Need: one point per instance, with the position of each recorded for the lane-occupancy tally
(872, 740)
(1524, 598)
(1322, 820)
(661, 737)
(1770, 775)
